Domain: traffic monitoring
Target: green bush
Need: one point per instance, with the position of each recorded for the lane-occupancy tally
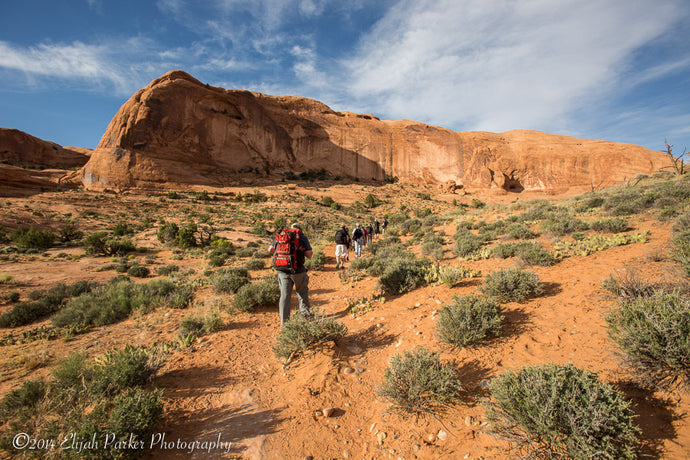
(520, 232)
(610, 225)
(628, 286)
(255, 264)
(512, 285)
(469, 319)
(563, 224)
(403, 275)
(107, 304)
(85, 399)
(138, 271)
(317, 261)
(450, 276)
(43, 303)
(653, 333)
(418, 382)
(467, 243)
(433, 249)
(100, 243)
(681, 251)
(553, 411)
(264, 293)
(167, 232)
(167, 270)
(122, 229)
(32, 238)
(198, 327)
(229, 280)
(300, 332)
(534, 254)
(70, 233)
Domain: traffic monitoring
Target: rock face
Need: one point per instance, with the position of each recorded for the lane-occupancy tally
(21, 149)
(178, 130)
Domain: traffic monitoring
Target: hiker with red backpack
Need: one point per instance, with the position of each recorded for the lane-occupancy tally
(289, 250)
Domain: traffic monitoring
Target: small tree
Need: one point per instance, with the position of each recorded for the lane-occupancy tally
(676, 161)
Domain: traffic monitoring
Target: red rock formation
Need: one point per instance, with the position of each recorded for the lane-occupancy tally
(178, 130)
(21, 149)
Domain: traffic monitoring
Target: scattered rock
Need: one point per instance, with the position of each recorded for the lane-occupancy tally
(469, 420)
(371, 428)
(484, 385)
(354, 349)
(431, 438)
(380, 437)
(329, 411)
(318, 413)
(416, 448)
(442, 435)
(347, 370)
(346, 454)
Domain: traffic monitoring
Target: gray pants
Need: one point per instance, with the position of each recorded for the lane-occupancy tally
(301, 282)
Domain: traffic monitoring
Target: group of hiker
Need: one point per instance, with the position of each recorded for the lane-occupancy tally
(360, 237)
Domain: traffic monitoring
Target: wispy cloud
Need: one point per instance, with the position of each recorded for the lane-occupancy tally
(499, 64)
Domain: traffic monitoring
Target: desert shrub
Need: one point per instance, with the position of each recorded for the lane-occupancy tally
(589, 201)
(653, 333)
(255, 264)
(469, 319)
(538, 210)
(467, 243)
(197, 327)
(229, 280)
(185, 237)
(264, 293)
(246, 252)
(43, 303)
(418, 382)
(628, 286)
(317, 261)
(217, 260)
(122, 229)
(506, 250)
(409, 226)
(450, 276)
(403, 275)
(534, 254)
(167, 232)
(109, 303)
(167, 270)
(433, 249)
(563, 224)
(100, 243)
(85, 399)
(554, 411)
(681, 251)
(32, 238)
(477, 204)
(512, 285)
(138, 271)
(611, 225)
(300, 332)
(70, 233)
(520, 231)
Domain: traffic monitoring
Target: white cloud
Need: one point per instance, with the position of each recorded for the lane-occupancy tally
(500, 64)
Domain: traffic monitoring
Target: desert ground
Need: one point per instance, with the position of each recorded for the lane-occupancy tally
(323, 403)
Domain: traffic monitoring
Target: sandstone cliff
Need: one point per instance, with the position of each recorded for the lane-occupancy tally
(21, 149)
(178, 130)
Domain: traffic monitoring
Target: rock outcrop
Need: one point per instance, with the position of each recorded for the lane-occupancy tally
(178, 130)
(18, 148)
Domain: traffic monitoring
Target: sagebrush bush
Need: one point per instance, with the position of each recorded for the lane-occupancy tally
(610, 225)
(628, 286)
(43, 303)
(653, 332)
(467, 243)
(229, 280)
(100, 243)
(33, 238)
(109, 303)
(433, 249)
(520, 232)
(469, 319)
(534, 254)
(138, 271)
(167, 270)
(554, 411)
(512, 285)
(255, 264)
(450, 276)
(264, 293)
(418, 382)
(300, 332)
(403, 275)
(563, 224)
(317, 261)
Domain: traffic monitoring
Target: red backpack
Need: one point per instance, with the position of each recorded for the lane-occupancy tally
(285, 258)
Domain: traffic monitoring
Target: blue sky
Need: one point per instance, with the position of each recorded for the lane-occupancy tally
(615, 70)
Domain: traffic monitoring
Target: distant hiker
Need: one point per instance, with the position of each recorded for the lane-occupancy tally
(358, 239)
(369, 233)
(384, 226)
(289, 250)
(377, 228)
(341, 238)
